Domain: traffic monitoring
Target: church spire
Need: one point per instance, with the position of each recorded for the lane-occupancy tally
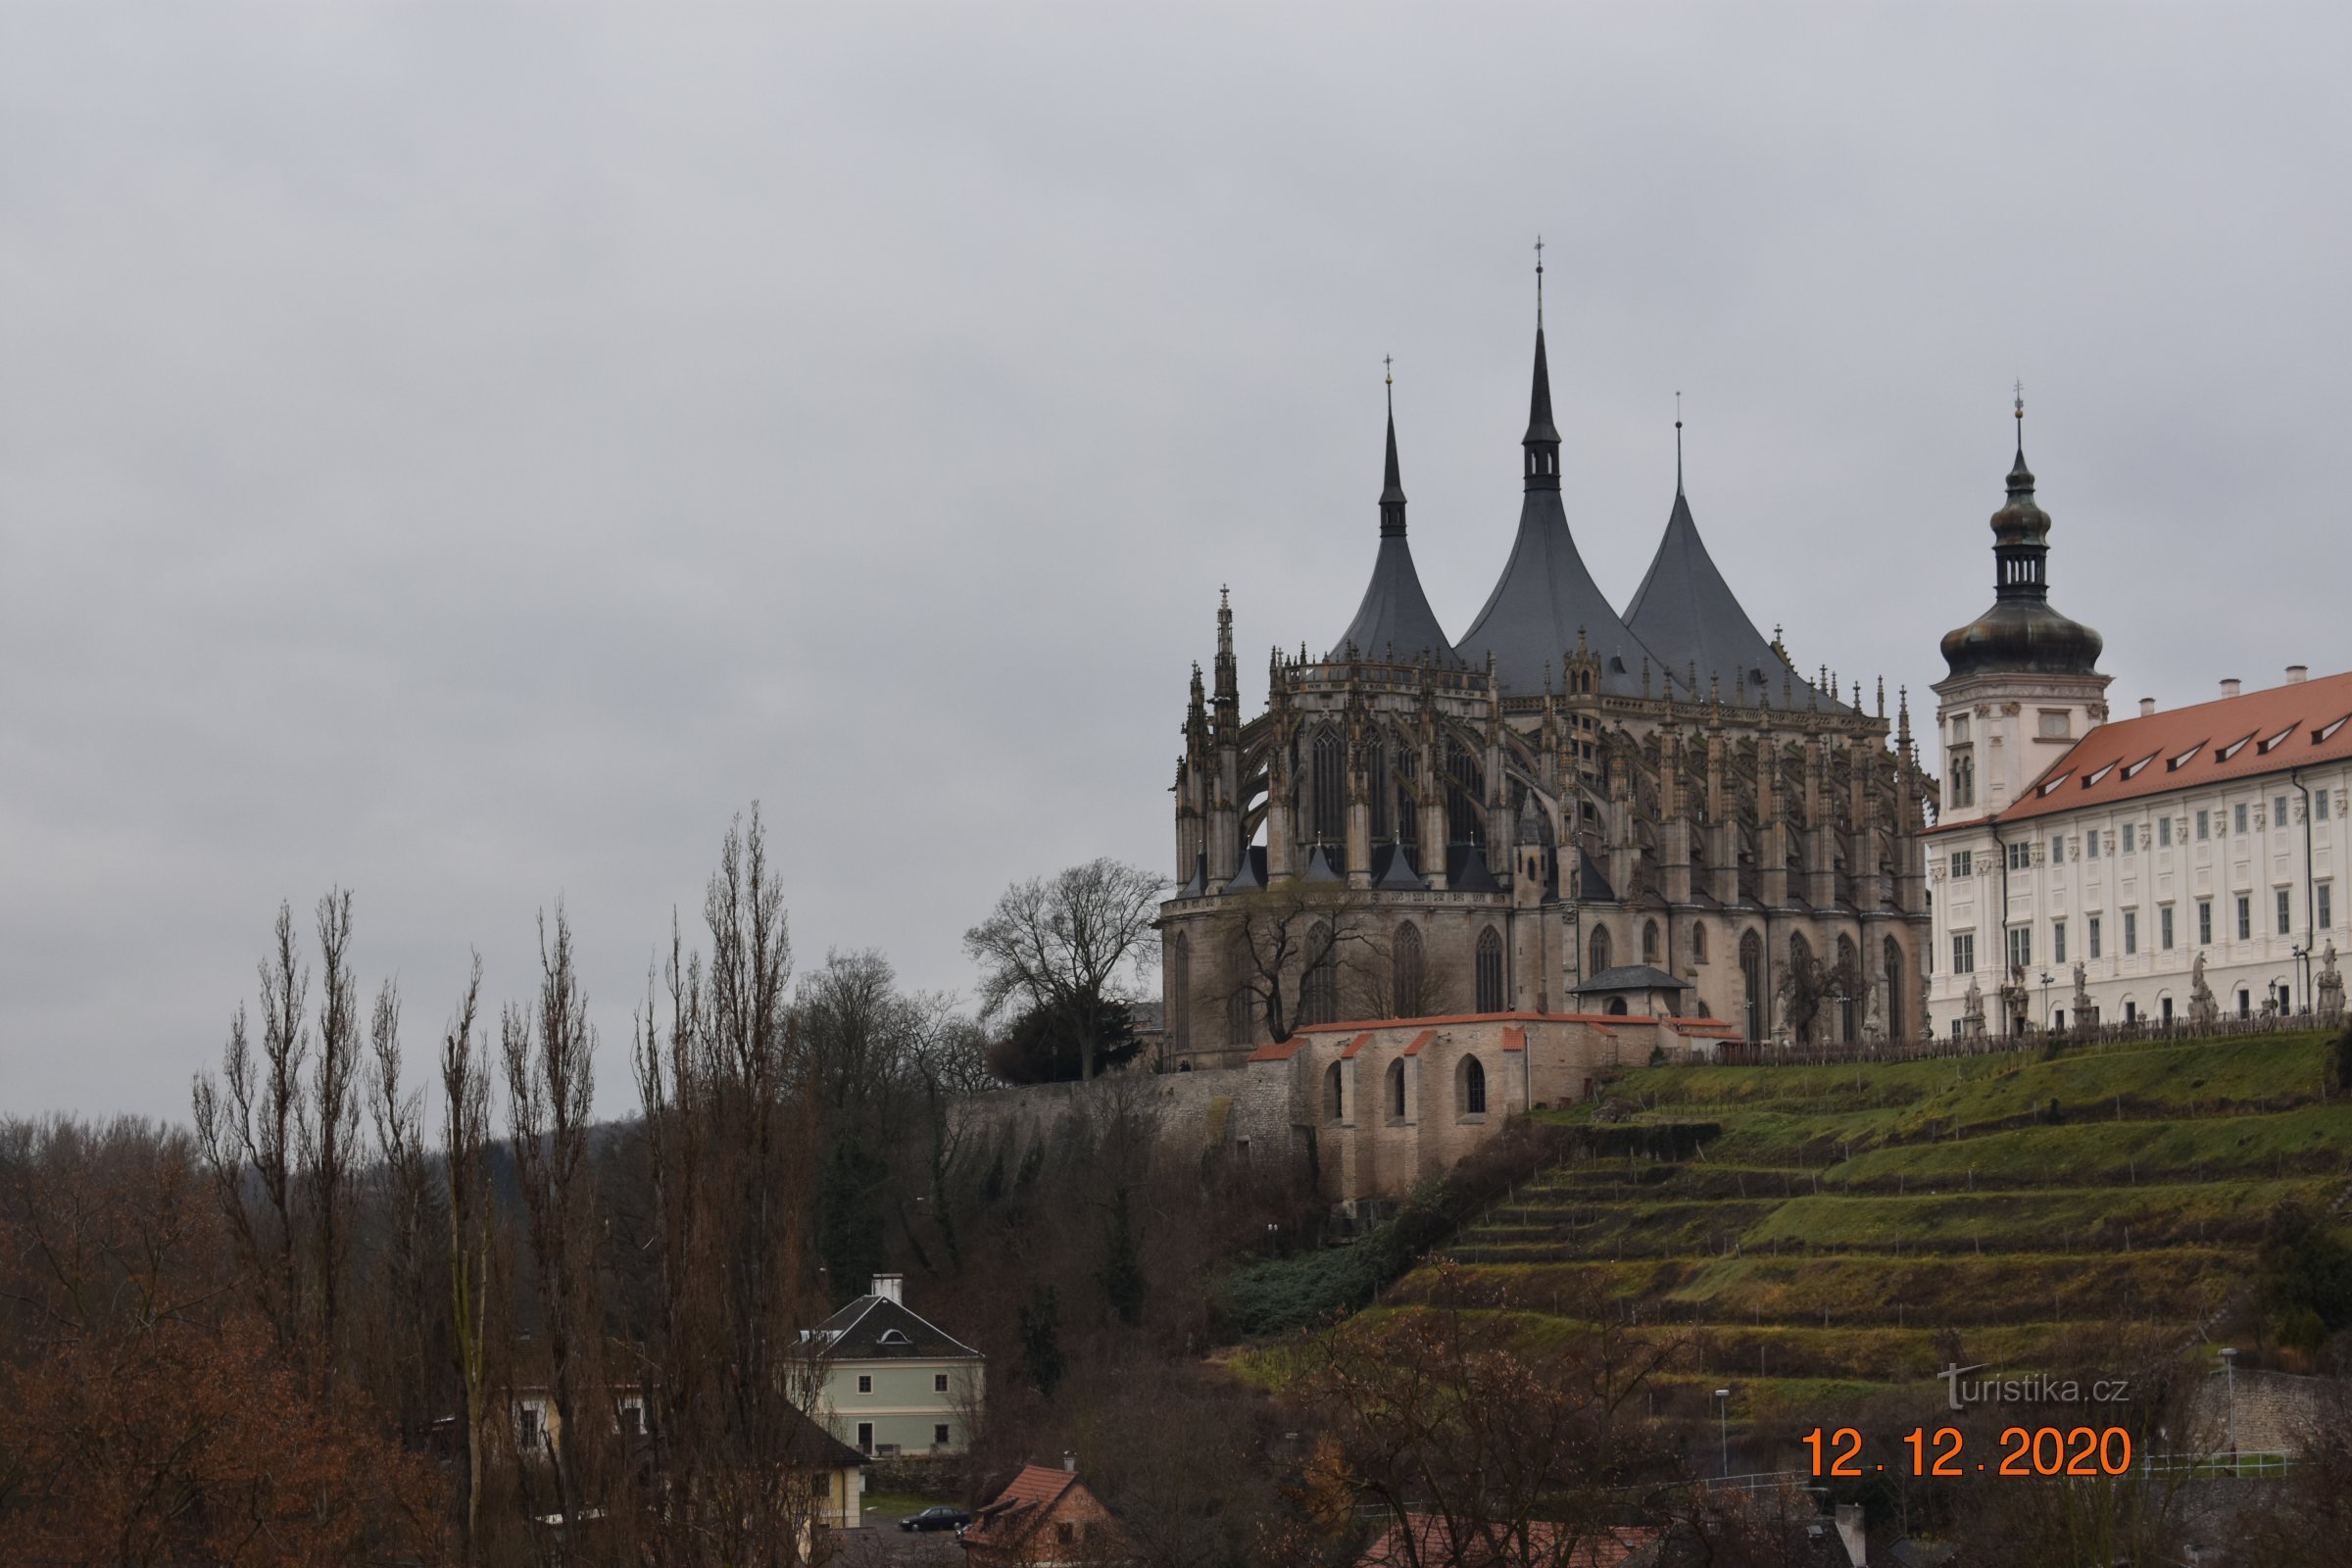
(1540, 445)
(1391, 495)
(1678, 445)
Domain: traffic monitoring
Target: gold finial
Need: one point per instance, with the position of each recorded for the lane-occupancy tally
(1539, 281)
(2021, 400)
(1388, 363)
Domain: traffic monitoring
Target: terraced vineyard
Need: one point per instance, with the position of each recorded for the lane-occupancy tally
(1838, 1230)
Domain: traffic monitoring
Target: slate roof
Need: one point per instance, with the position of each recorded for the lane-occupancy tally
(2208, 744)
(1631, 977)
(1394, 620)
(1546, 595)
(1688, 615)
(875, 1328)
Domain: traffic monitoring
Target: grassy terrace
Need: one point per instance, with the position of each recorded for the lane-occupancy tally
(1821, 1233)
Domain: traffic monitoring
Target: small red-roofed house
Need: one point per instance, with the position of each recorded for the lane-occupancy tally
(1046, 1517)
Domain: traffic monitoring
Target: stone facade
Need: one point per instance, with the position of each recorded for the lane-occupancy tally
(1413, 827)
(1375, 1107)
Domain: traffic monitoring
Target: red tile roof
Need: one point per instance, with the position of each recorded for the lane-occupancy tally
(1030, 1519)
(2220, 742)
(1357, 1044)
(1420, 1040)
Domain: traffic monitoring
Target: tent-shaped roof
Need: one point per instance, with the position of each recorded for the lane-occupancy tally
(1394, 620)
(1688, 615)
(1545, 597)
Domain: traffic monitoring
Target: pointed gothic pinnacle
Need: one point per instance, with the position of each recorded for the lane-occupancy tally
(1882, 697)
(1645, 681)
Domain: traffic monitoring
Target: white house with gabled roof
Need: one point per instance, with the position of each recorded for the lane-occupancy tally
(892, 1382)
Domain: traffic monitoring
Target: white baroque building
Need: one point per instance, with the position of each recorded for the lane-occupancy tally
(2170, 866)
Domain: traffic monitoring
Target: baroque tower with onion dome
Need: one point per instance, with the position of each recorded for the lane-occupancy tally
(1568, 811)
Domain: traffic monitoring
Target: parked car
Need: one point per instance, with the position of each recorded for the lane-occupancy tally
(940, 1518)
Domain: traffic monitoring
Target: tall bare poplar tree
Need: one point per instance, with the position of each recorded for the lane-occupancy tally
(464, 1135)
(249, 1129)
(729, 1128)
(548, 1051)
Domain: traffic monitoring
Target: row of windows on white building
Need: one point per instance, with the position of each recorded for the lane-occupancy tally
(2094, 932)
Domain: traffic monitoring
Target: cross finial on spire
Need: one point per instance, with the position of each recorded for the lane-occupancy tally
(1388, 363)
(2021, 418)
(1539, 281)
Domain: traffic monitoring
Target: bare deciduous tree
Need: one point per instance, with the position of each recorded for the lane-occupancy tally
(549, 1051)
(254, 1135)
(729, 1133)
(1280, 938)
(1063, 943)
(464, 1136)
(330, 1128)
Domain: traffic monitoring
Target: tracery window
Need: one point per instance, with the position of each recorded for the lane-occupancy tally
(1599, 952)
(1319, 988)
(1328, 782)
(1406, 990)
(1649, 942)
(1489, 972)
(1466, 793)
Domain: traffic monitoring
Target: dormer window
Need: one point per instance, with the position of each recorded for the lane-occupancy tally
(2321, 736)
(893, 1337)
(2266, 746)
(2234, 747)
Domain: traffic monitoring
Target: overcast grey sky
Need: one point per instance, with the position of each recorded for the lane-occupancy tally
(468, 454)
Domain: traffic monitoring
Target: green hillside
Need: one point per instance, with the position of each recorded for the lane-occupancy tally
(1825, 1232)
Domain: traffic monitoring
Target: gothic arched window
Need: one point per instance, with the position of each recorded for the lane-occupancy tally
(1319, 987)
(1844, 983)
(1328, 782)
(1698, 941)
(1406, 990)
(1466, 793)
(1408, 809)
(1600, 954)
(1180, 991)
(1751, 977)
(1899, 1023)
(1470, 1087)
(1649, 942)
(1489, 972)
(1335, 1099)
(1376, 768)
(1397, 1089)
(1240, 1000)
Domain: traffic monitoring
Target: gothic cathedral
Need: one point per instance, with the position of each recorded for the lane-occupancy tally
(1568, 811)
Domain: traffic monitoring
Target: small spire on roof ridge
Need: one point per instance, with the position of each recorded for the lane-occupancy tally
(1882, 697)
(1678, 442)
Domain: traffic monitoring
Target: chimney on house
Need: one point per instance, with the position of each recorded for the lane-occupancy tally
(2147, 708)
(886, 1286)
(2298, 674)
(2230, 687)
(1070, 1460)
(1850, 1534)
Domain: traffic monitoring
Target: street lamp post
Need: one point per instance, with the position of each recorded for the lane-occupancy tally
(2045, 1000)
(2230, 1378)
(1723, 1424)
